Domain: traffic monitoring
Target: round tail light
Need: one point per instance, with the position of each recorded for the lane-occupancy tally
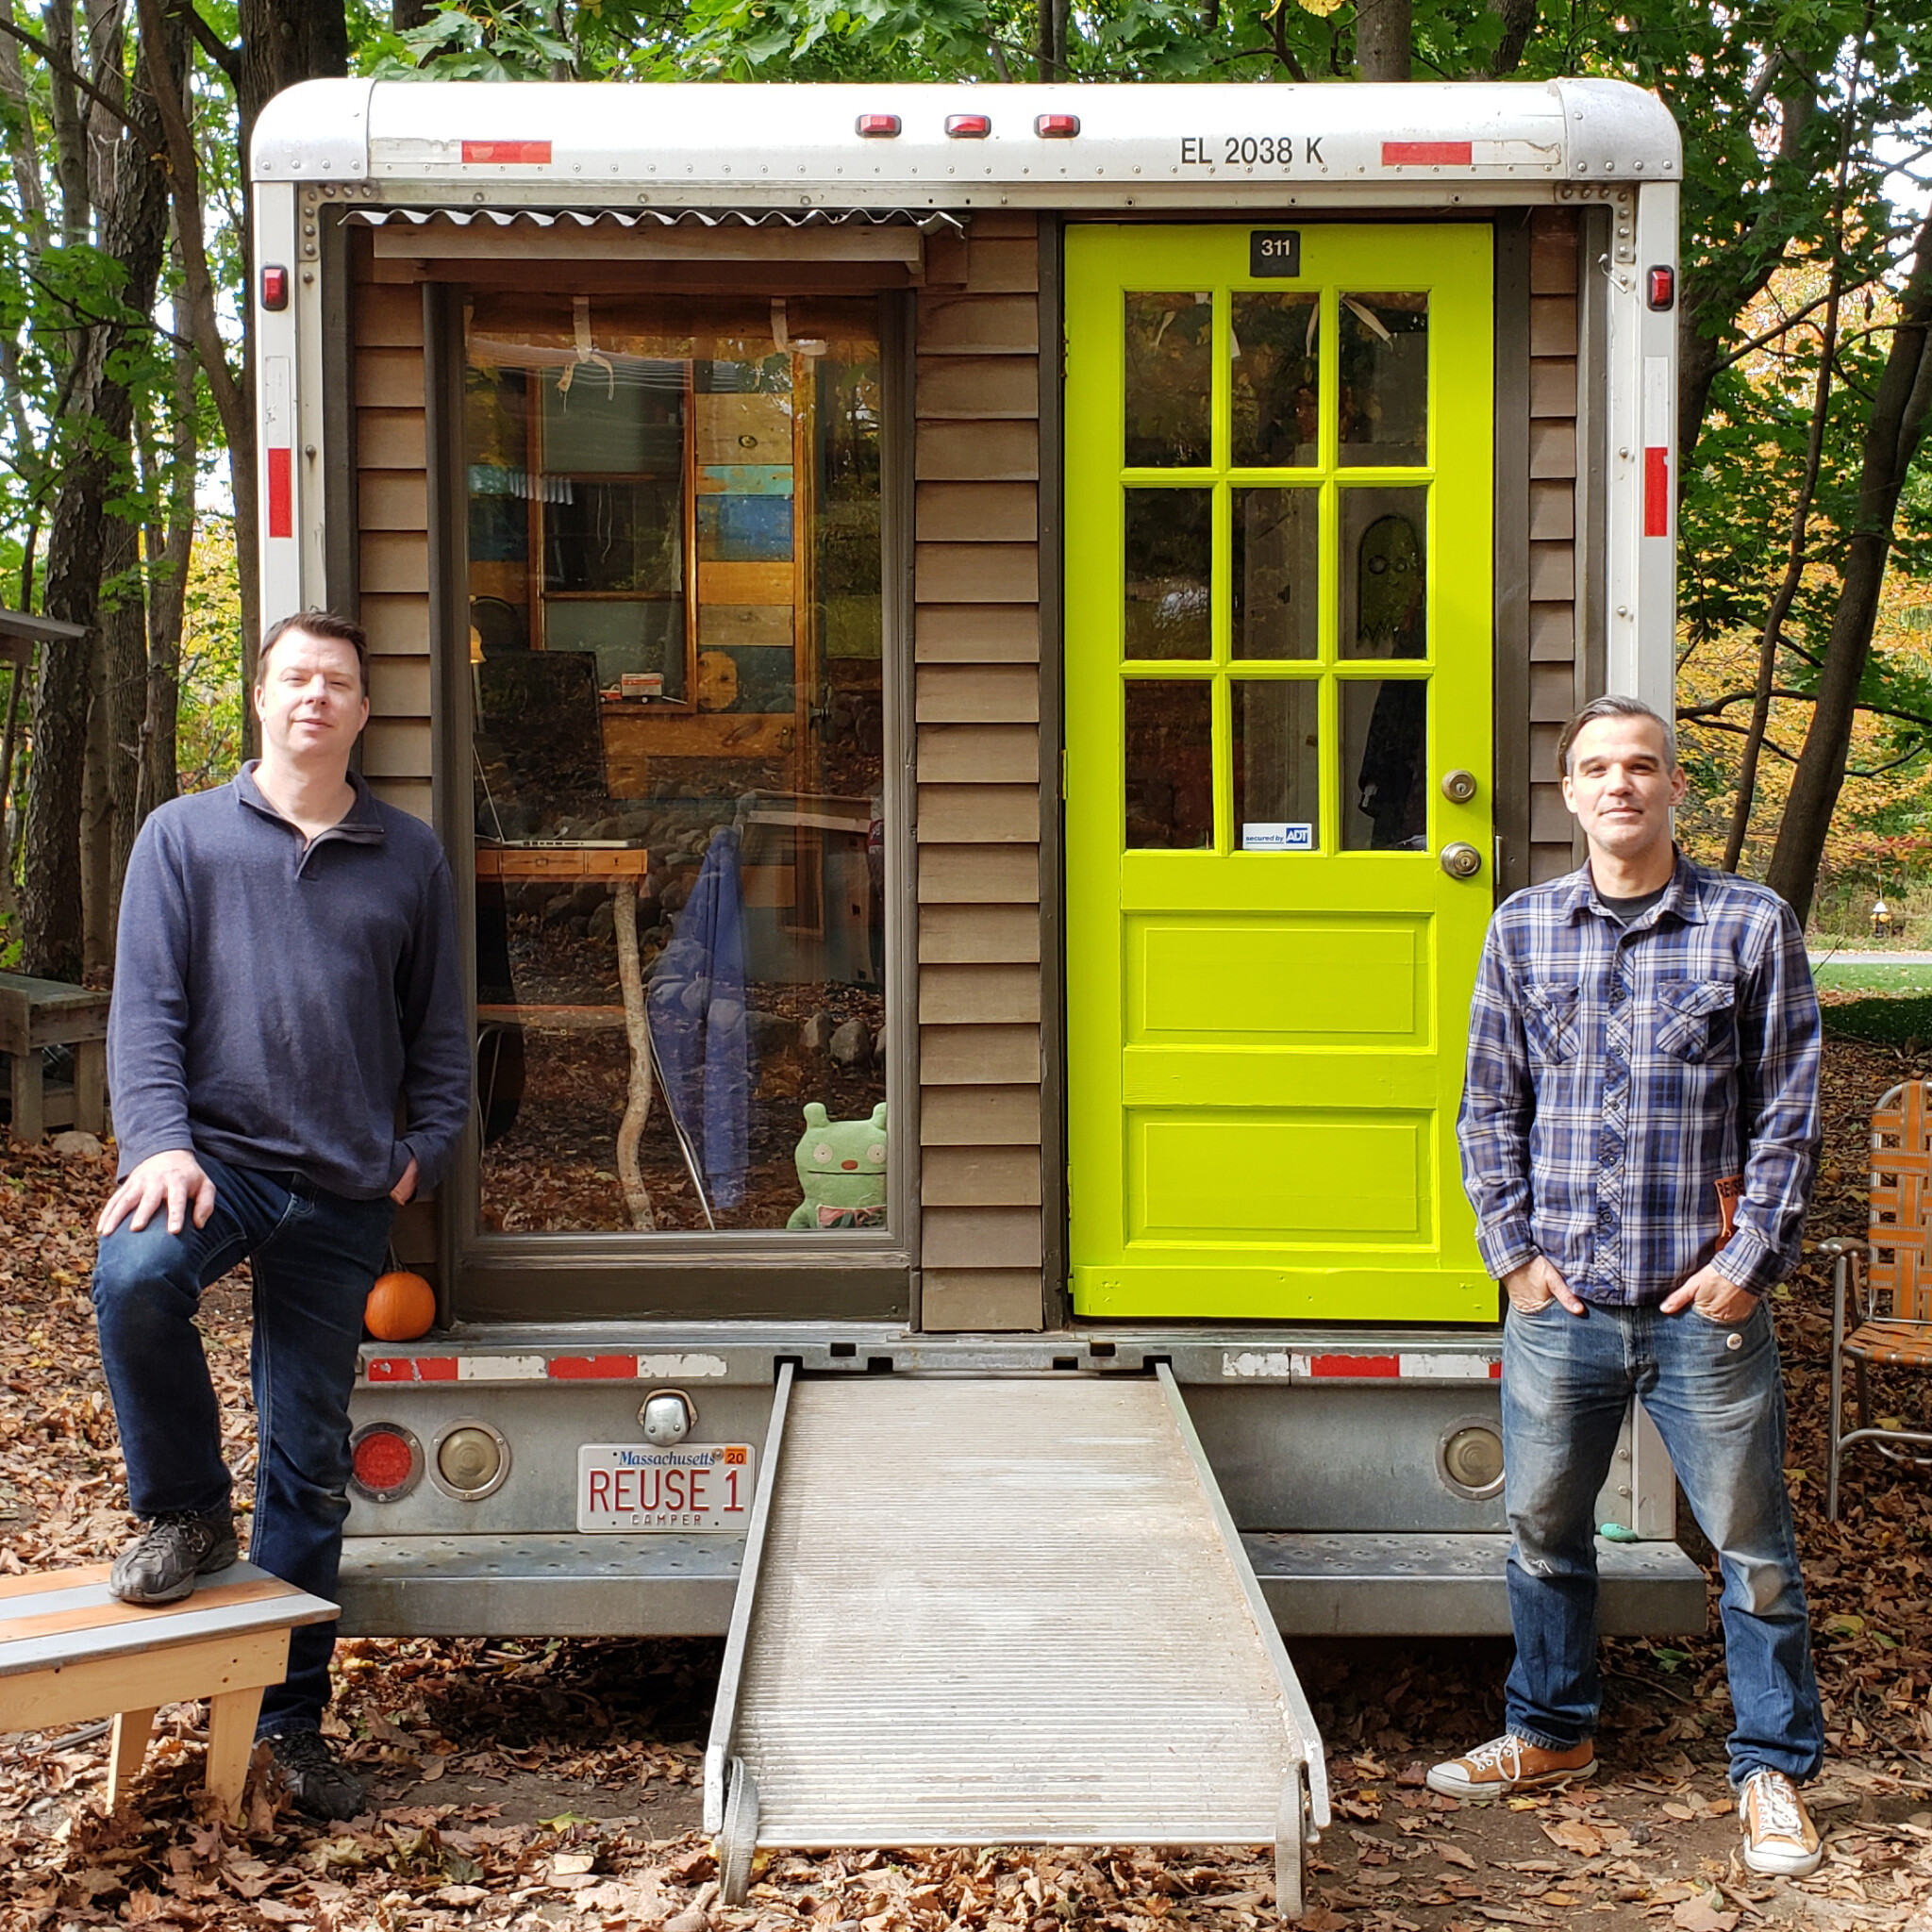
(385, 1461)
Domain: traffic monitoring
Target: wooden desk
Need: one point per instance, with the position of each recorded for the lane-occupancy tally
(623, 866)
(49, 1012)
(68, 1652)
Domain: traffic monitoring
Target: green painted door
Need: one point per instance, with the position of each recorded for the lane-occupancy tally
(1278, 662)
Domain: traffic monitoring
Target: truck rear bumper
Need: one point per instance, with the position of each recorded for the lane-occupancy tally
(1318, 1585)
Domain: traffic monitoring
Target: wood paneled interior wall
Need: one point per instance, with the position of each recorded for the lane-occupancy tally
(1556, 608)
(977, 646)
(392, 531)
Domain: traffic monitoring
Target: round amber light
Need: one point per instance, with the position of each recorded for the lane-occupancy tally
(469, 1459)
(1474, 1457)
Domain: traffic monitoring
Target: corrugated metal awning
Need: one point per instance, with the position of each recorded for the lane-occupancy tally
(927, 221)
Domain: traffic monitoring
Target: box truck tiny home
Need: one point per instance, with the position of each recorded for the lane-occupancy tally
(981, 655)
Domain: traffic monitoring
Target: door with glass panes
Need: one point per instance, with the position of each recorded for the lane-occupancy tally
(1278, 819)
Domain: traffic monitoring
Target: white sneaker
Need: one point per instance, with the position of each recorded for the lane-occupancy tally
(1779, 1837)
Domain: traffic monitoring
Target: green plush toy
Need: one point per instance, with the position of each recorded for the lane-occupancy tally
(842, 1167)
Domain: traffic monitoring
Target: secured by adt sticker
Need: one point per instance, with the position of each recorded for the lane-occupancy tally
(1272, 837)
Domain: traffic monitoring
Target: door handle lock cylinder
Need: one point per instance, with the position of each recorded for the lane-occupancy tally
(1462, 860)
(1458, 787)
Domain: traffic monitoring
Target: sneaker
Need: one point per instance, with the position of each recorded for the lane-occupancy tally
(160, 1565)
(1779, 1837)
(319, 1782)
(1509, 1764)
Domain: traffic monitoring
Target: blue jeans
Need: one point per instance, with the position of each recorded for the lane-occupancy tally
(1717, 1397)
(314, 1257)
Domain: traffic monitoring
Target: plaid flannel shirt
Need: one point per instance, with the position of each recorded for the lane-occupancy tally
(1626, 1084)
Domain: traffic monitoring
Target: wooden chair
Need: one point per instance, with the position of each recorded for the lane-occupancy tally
(68, 1652)
(1894, 1309)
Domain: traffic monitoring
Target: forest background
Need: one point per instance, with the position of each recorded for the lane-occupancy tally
(1805, 647)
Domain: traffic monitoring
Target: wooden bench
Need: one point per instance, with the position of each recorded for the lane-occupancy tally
(48, 1013)
(70, 1652)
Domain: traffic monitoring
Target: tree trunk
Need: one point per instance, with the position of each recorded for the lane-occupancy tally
(1771, 636)
(133, 229)
(406, 14)
(168, 600)
(1519, 18)
(1384, 40)
(1892, 439)
(70, 142)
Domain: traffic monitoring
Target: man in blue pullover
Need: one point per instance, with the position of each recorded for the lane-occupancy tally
(286, 992)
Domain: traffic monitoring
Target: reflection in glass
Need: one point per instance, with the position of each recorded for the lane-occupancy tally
(1169, 381)
(615, 536)
(1384, 379)
(1169, 566)
(1385, 741)
(686, 746)
(1384, 554)
(623, 416)
(1170, 765)
(1277, 765)
(1274, 374)
(1275, 596)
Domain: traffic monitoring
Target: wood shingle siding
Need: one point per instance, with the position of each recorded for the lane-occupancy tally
(1554, 684)
(976, 465)
(392, 522)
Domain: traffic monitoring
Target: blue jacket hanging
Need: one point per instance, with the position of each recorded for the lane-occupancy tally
(695, 1008)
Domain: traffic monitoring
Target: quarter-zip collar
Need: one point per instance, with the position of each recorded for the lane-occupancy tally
(361, 825)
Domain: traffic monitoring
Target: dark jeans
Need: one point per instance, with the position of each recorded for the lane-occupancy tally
(1717, 1397)
(314, 1257)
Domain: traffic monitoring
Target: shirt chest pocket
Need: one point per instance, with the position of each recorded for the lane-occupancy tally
(1550, 1021)
(1697, 1020)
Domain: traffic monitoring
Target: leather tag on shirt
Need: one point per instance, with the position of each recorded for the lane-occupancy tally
(1730, 1191)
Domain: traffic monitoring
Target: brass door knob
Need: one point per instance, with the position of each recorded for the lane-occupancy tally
(1462, 860)
(1458, 787)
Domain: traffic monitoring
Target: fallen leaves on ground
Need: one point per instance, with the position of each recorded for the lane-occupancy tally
(544, 1784)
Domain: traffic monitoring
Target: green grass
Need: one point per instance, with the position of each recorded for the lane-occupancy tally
(1892, 979)
(1884, 1021)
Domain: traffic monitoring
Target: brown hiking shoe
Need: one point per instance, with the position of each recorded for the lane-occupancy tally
(1509, 1764)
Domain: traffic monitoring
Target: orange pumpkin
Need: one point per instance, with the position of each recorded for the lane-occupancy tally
(400, 1307)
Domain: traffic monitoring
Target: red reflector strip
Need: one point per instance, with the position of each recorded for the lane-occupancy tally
(1362, 1365)
(526, 153)
(281, 493)
(1657, 493)
(594, 1368)
(1056, 126)
(1428, 154)
(969, 127)
(412, 1368)
(878, 126)
(1495, 1372)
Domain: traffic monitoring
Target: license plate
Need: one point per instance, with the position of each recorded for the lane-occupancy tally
(696, 1487)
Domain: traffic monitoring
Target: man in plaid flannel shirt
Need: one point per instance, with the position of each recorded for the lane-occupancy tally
(1640, 1133)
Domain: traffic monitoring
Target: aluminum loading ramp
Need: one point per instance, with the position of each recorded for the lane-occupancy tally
(1002, 1611)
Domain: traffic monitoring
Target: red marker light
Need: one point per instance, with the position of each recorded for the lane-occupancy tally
(1662, 289)
(386, 1461)
(1056, 126)
(275, 288)
(878, 126)
(969, 127)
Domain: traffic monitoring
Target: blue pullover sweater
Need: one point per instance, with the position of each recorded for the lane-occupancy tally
(280, 1004)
